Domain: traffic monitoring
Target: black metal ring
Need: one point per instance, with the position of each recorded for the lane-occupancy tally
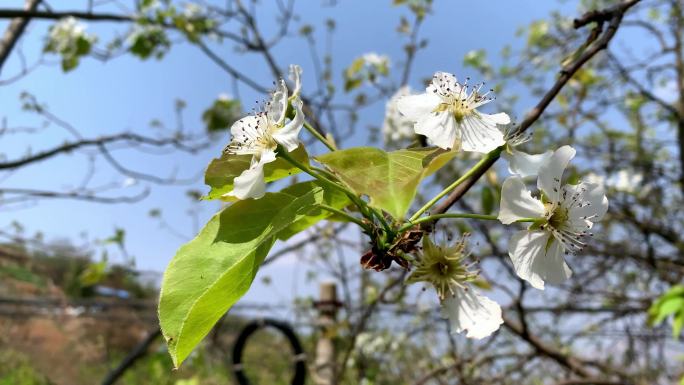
(288, 332)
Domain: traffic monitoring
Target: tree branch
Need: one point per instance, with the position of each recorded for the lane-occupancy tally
(15, 30)
(599, 43)
(123, 137)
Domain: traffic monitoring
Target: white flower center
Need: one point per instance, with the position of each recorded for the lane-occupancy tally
(445, 268)
(458, 99)
(254, 139)
(567, 230)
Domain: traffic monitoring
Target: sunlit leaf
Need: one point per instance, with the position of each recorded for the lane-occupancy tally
(390, 179)
(222, 114)
(210, 273)
(331, 197)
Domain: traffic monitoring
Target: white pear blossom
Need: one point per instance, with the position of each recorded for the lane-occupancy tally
(447, 114)
(65, 34)
(564, 215)
(396, 127)
(466, 309)
(259, 135)
(521, 163)
(374, 59)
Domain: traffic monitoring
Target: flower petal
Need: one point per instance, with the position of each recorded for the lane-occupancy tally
(592, 197)
(439, 127)
(469, 310)
(295, 76)
(288, 136)
(551, 172)
(277, 107)
(416, 106)
(538, 258)
(524, 164)
(552, 267)
(501, 118)
(250, 184)
(479, 133)
(517, 202)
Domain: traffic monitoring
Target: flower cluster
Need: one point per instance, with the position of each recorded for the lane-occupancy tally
(65, 34)
(561, 215)
(69, 39)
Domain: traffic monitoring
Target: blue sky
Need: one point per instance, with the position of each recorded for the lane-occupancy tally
(126, 94)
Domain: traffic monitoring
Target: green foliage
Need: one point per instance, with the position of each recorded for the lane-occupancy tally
(669, 304)
(68, 39)
(119, 237)
(16, 369)
(210, 273)
(478, 59)
(331, 197)
(222, 114)
(21, 273)
(537, 34)
(420, 8)
(367, 68)
(149, 41)
(93, 274)
(222, 171)
(390, 179)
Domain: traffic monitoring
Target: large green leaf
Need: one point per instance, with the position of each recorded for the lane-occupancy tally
(331, 197)
(211, 272)
(221, 171)
(390, 179)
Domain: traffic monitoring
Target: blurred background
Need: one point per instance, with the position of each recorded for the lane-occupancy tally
(111, 109)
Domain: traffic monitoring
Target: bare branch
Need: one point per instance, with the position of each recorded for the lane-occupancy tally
(15, 30)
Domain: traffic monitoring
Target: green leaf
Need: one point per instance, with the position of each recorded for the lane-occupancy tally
(677, 324)
(221, 171)
(150, 41)
(222, 114)
(351, 84)
(671, 306)
(93, 274)
(355, 67)
(331, 197)
(390, 179)
(211, 272)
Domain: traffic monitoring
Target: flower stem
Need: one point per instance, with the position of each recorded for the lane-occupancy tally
(463, 178)
(284, 154)
(320, 137)
(446, 215)
(325, 181)
(372, 211)
(346, 216)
